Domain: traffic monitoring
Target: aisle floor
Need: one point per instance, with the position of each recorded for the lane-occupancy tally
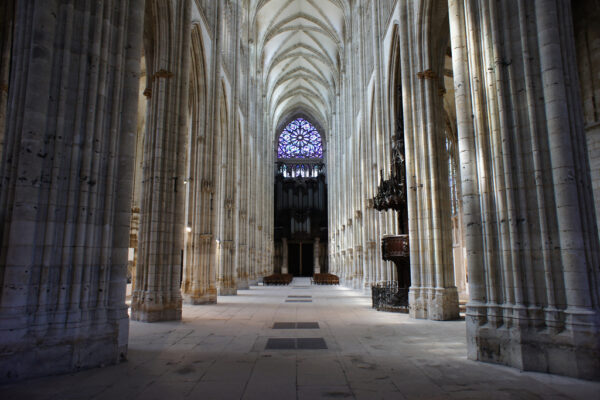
(324, 343)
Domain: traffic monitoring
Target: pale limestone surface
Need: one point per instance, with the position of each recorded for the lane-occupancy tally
(221, 77)
(217, 352)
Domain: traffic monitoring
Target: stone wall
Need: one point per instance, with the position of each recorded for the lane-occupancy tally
(66, 180)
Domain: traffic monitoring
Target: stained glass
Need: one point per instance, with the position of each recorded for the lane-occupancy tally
(300, 139)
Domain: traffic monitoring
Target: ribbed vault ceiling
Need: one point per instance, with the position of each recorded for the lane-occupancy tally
(300, 43)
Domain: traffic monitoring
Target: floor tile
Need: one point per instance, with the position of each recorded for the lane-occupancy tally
(338, 347)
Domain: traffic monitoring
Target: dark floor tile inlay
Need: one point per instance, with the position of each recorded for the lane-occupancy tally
(298, 301)
(307, 325)
(284, 325)
(281, 344)
(296, 325)
(311, 343)
(296, 343)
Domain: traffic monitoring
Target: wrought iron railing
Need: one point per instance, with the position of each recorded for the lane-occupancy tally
(387, 297)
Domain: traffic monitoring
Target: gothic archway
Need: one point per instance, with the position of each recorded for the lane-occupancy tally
(300, 199)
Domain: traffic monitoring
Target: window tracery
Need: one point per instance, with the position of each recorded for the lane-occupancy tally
(300, 139)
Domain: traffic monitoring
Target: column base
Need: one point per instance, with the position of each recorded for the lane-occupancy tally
(61, 356)
(523, 344)
(147, 309)
(171, 314)
(91, 343)
(227, 291)
(438, 304)
(243, 285)
(198, 300)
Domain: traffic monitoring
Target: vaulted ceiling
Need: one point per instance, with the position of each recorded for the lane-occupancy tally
(300, 45)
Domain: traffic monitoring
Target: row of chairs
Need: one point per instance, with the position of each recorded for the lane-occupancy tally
(325, 279)
(278, 279)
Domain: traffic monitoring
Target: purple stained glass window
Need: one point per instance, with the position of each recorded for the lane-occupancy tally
(300, 140)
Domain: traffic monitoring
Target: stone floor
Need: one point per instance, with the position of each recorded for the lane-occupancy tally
(218, 352)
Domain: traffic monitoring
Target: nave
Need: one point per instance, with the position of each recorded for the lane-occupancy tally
(218, 352)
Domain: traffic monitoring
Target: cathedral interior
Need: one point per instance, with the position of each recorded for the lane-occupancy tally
(161, 160)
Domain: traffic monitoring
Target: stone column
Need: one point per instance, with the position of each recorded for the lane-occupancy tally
(138, 172)
(65, 185)
(359, 282)
(536, 277)
(225, 157)
(200, 286)
(199, 274)
(7, 15)
(587, 43)
(284, 251)
(157, 294)
(242, 283)
(317, 253)
(433, 294)
(349, 267)
(242, 176)
(243, 251)
(227, 276)
(343, 262)
(251, 274)
(369, 262)
(227, 282)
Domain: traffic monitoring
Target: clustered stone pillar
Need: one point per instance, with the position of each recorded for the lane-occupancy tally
(199, 284)
(136, 198)
(533, 274)
(229, 158)
(7, 14)
(242, 268)
(316, 251)
(586, 15)
(157, 294)
(227, 275)
(432, 294)
(242, 227)
(353, 223)
(65, 185)
(284, 250)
